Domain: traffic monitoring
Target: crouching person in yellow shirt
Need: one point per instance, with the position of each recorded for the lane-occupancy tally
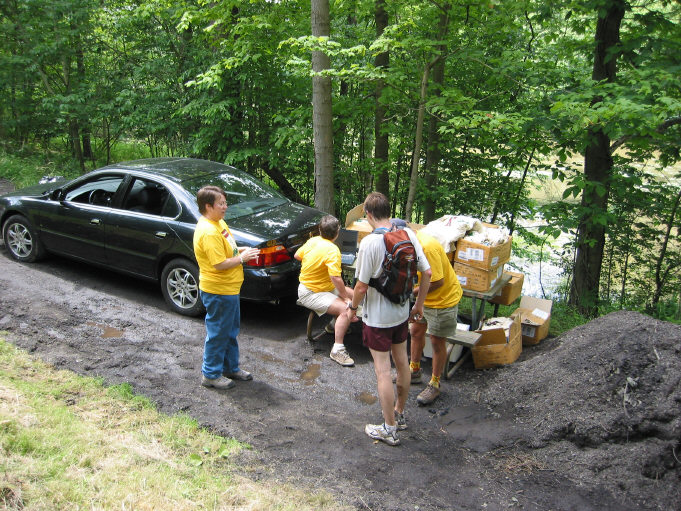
(440, 311)
(321, 286)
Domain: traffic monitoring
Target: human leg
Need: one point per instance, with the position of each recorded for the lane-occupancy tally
(386, 394)
(232, 324)
(418, 342)
(338, 352)
(399, 353)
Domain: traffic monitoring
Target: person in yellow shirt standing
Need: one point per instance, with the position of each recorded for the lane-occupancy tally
(321, 286)
(220, 277)
(440, 311)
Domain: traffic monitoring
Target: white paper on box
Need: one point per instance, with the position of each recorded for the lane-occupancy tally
(472, 254)
(463, 326)
(540, 314)
(529, 330)
(495, 261)
(463, 280)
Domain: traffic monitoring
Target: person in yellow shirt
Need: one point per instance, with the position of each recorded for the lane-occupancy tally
(440, 311)
(321, 286)
(220, 277)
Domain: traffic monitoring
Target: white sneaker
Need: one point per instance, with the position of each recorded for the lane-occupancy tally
(341, 356)
(380, 432)
(220, 383)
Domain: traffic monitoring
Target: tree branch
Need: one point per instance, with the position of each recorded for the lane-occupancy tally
(660, 129)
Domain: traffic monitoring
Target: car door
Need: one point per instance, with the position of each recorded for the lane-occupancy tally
(75, 224)
(138, 232)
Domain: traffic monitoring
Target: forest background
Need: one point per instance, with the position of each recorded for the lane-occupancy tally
(447, 107)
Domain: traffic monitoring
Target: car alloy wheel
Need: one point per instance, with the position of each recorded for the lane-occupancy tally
(21, 240)
(180, 285)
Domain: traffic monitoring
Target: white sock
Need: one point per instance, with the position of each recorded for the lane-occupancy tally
(337, 347)
(390, 429)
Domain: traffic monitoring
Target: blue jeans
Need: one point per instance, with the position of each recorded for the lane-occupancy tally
(223, 319)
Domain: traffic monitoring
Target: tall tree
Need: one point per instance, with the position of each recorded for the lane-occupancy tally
(598, 165)
(381, 146)
(322, 115)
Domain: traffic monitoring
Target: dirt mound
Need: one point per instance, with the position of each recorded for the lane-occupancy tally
(603, 402)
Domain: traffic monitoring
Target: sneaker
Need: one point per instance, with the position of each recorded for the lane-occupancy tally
(380, 432)
(428, 395)
(341, 356)
(415, 377)
(400, 421)
(240, 375)
(220, 383)
(330, 328)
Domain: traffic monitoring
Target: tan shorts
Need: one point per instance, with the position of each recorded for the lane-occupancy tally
(441, 322)
(318, 302)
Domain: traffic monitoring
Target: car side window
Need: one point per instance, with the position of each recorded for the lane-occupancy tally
(98, 191)
(148, 197)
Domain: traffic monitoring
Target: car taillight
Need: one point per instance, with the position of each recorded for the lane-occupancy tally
(270, 256)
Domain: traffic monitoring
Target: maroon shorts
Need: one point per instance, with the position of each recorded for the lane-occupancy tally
(381, 339)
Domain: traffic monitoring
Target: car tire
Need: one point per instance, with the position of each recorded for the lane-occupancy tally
(22, 240)
(180, 287)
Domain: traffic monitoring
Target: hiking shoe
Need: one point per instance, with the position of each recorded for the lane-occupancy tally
(341, 356)
(240, 375)
(330, 328)
(428, 395)
(380, 432)
(220, 383)
(400, 421)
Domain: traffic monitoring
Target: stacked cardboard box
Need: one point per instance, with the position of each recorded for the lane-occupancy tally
(479, 266)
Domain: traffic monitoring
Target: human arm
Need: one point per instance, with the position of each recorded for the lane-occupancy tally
(340, 287)
(417, 309)
(359, 294)
(434, 284)
(245, 254)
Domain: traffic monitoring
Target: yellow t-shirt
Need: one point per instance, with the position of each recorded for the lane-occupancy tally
(213, 243)
(321, 260)
(449, 294)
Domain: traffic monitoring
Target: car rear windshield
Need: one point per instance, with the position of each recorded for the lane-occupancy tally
(245, 194)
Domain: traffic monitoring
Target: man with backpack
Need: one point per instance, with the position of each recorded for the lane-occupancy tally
(386, 272)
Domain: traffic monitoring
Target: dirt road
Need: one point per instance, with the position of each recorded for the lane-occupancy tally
(484, 446)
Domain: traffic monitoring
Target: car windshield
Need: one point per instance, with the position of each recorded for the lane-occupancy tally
(245, 194)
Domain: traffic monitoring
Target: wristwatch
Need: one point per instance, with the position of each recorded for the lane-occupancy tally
(351, 307)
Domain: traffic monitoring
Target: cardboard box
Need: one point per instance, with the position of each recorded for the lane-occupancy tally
(511, 291)
(477, 279)
(356, 221)
(535, 315)
(483, 256)
(495, 349)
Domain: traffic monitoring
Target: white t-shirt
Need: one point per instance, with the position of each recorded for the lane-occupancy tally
(377, 310)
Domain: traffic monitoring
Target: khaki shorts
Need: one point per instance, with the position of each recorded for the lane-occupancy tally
(318, 302)
(441, 322)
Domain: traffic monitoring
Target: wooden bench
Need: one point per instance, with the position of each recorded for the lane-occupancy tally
(461, 338)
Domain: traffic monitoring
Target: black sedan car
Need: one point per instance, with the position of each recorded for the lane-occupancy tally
(138, 217)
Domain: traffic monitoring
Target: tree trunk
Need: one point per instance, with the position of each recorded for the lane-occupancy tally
(660, 276)
(321, 112)
(597, 171)
(433, 153)
(381, 147)
(418, 140)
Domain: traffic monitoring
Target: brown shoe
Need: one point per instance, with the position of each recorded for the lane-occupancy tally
(428, 395)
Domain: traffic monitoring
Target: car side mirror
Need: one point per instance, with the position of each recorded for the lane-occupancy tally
(57, 194)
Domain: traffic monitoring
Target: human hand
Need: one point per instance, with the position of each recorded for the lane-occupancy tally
(416, 314)
(248, 254)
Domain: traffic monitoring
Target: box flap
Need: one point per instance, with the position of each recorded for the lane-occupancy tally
(531, 303)
(498, 335)
(354, 214)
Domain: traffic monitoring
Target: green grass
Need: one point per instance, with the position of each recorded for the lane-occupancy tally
(68, 442)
